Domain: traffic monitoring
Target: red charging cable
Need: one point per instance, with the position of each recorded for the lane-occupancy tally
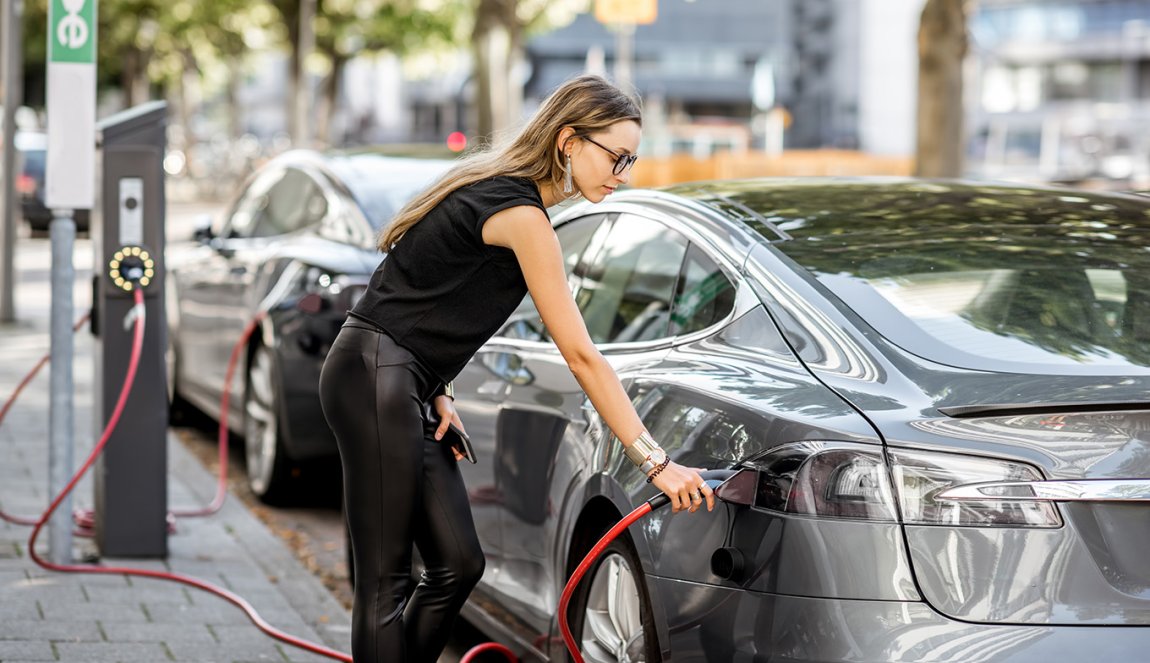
(572, 582)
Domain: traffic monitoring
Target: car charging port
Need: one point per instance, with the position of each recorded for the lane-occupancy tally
(131, 267)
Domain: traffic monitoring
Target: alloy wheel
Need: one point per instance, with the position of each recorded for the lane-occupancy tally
(261, 429)
(613, 618)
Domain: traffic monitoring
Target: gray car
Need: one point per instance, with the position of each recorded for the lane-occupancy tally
(940, 391)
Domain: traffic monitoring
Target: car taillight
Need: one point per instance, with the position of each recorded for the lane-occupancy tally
(827, 479)
(861, 482)
(919, 476)
(26, 184)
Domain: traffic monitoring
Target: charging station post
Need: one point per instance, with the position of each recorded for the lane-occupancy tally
(69, 181)
(131, 489)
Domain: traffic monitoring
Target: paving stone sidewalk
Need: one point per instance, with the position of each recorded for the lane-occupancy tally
(83, 618)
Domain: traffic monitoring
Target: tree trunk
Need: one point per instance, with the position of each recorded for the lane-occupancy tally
(942, 45)
(190, 97)
(494, 42)
(235, 121)
(134, 77)
(330, 99)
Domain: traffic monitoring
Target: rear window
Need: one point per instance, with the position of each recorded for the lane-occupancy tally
(995, 278)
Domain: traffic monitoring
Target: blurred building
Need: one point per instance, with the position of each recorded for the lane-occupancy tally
(1061, 91)
(842, 70)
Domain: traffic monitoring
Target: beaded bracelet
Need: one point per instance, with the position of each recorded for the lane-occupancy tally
(658, 468)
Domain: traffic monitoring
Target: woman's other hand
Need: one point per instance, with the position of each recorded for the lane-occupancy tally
(685, 487)
(445, 407)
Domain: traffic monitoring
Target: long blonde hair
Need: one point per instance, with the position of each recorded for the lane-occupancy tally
(585, 103)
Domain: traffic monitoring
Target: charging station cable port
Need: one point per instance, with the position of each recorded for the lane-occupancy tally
(131, 266)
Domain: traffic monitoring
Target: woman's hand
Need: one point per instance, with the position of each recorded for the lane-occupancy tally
(445, 407)
(685, 487)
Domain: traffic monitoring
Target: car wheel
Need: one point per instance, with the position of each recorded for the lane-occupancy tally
(178, 408)
(269, 468)
(612, 620)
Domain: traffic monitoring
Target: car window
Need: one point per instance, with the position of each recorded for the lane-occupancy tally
(981, 276)
(626, 293)
(704, 296)
(250, 204)
(278, 202)
(574, 237)
(293, 203)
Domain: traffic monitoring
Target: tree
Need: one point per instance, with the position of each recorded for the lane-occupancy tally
(497, 39)
(942, 46)
(349, 28)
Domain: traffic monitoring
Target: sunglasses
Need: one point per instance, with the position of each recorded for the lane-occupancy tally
(622, 161)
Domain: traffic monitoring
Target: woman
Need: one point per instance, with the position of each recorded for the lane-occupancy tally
(461, 257)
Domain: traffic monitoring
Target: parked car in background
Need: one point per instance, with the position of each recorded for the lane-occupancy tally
(941, 389)
(32, 148)
(297, 243)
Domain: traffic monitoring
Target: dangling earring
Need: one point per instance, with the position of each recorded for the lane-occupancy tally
(568, 186)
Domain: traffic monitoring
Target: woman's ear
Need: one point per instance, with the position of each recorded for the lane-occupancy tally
(564, 139)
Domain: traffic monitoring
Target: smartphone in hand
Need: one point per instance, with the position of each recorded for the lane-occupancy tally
(459, 441)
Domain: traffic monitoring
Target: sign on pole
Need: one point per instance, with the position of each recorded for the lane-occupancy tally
(632, 12)
(71, 160)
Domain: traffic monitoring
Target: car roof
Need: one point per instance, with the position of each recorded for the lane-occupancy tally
(868, 211)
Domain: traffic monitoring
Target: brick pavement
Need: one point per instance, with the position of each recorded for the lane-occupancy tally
(80, 618)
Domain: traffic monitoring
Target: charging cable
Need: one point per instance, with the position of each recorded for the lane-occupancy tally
(714, 479)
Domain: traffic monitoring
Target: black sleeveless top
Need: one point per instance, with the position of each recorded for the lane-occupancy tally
(441, 292)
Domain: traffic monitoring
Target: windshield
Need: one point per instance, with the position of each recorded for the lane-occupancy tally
(383, 185)
(978, 276)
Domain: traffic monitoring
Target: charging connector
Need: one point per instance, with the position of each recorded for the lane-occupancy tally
(131, 267)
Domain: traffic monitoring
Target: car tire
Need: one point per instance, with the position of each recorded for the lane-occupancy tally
(611, 615)
(179, 410)
(269, 469)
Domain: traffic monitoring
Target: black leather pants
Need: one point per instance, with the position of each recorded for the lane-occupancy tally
(401, 486)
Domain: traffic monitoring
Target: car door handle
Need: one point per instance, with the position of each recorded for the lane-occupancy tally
(1084, 490)
(239, 270)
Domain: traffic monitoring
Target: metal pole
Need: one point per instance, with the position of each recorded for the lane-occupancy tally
(61, 404)
(13, 10)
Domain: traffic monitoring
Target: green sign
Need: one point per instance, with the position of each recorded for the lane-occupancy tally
(72, 31)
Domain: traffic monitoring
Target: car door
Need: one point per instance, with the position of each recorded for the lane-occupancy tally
(482, 389)
(624, 284)
(201, 277)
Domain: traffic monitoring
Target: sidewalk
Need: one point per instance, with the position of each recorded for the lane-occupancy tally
(80, 618)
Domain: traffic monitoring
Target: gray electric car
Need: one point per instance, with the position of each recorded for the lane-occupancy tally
(940, 392)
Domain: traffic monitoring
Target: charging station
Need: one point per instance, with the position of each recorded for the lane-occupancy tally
(131, 491)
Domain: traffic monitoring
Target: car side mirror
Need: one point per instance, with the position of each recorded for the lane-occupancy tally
(508, 367)
(202, 231)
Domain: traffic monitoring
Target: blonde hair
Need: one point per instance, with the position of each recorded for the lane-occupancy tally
(585, 103)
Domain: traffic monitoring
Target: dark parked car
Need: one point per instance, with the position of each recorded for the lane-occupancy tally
(942, 390)
(32, 148)
(298, 243)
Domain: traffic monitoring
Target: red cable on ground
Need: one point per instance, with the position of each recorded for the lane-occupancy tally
(222, 437)
(130, 377)
(26, 520)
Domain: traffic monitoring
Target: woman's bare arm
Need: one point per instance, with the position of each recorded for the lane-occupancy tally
(526, 231)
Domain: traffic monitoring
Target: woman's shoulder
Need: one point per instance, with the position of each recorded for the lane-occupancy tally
(503, 186)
